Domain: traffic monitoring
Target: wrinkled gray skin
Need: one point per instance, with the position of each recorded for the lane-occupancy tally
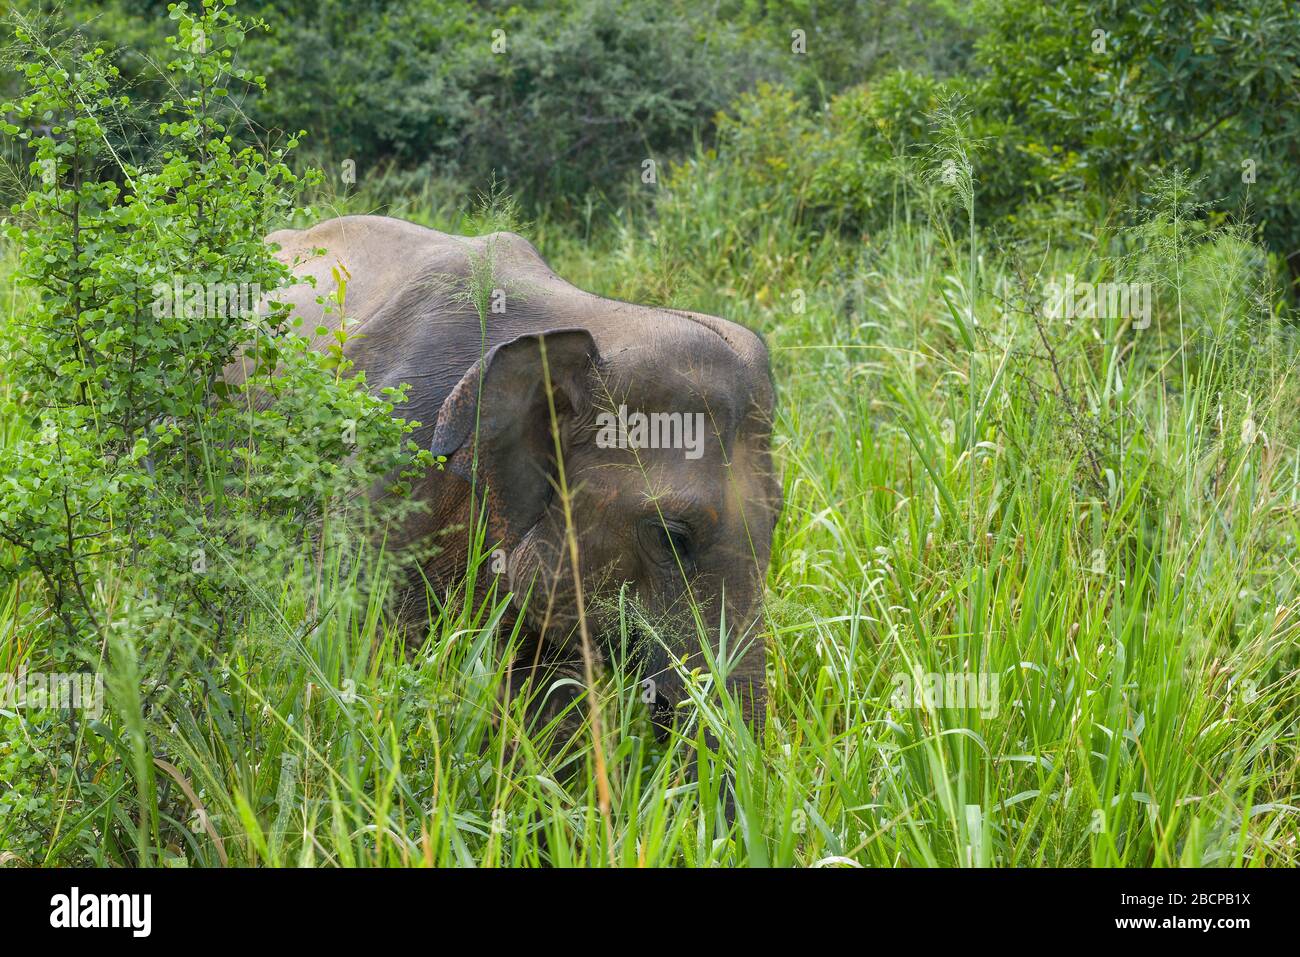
(671, 529)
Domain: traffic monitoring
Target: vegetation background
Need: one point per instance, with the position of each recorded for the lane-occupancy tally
(1102, 512)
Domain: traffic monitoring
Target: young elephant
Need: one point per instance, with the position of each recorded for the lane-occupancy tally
(662, 420)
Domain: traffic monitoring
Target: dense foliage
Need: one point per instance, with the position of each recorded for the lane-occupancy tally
(553, 99)
(1107, 92)
(1095, 510)
(138, 450)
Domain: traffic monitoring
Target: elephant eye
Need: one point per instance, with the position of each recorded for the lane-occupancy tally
(670, 542)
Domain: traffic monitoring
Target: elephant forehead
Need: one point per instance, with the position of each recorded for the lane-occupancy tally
(723, 485)
(711, 489)
(717, 386)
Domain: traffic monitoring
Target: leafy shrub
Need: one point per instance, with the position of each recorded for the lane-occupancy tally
(1112, 91)
(850, 168)
(585, 94)
(871, 130)
(140, 458)
(553, 101)
(381, 82)
(158, 503)
(848, 44)
(567, 99)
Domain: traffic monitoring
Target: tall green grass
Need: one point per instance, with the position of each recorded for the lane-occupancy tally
(1103, 517)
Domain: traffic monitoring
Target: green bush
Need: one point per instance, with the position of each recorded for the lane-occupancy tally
(554, 101)
(848, 44)
(158, 504)
(585, 94)
(1112, 92)
(851, 168)
(567, 99)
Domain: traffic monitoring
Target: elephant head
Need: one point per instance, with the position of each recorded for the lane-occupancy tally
(661, 442)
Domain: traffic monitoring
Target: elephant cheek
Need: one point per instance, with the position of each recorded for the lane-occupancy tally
(534, 572)
(525, 572)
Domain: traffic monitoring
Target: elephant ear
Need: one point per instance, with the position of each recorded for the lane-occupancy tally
(500, 409)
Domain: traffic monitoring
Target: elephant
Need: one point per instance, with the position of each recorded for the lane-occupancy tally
(637, 438)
